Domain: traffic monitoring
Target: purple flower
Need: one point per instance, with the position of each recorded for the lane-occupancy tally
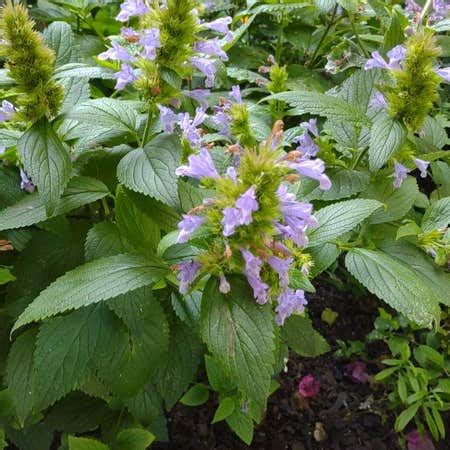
(124, 76)
(412, 7)
(231, 173)
(313, 169)
(224, 286)
(25, 182)
(168, 118)
(221, 26)
(150, 41)
(207, 67)
(307, 146)
(222, 120)
(131, 8)
(7, 110)
(211, 47)
(187, 271)
(289, 302)
(200, 166)
(419, 441)
(376, 61)
(441, 9)
(357, 372)
(311, 126)
(190, 127)
(187, 226)
(116, 53)
(378, 101)
(129, 34)
(308, 386)
(422, 166)
(396, 56)
(252, 272)
(281, 267)
(2, 149)
(200, 95)
(241, 214)
(444, 73)
(236, 93)
(400, 173)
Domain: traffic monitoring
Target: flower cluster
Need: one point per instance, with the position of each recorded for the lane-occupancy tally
(416, 78)
(440, 10)
(253, 225)
(168, 41)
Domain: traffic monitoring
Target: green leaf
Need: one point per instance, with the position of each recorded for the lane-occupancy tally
(196, 395)
(80, 70)
(397, 202)
(185, 354)
(322, 105)
(30, 210)
(137, 349)
(135, 224)
(437, 216)
(104, 239)
(151, 170)
(64, 348)
(217, 377)
(339, 218)
(46, 162)
(59, 37)
(434, 133)
(386, 137)
(91, 283)
(20, 374)
(406, 416)
(146, 405)
(81, 443)
(6, 276)
(134, 439)
(242, 424)
(239, 333)
(301, 337)
(225, 409)
(323, 256)
(395, 283)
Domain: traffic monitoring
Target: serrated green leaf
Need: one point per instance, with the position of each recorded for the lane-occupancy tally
(301, 337)
(437, 216)
(64, 348)
(225, 409)
(134, 439)
(239, 333)
(81, 70)
(6, 276)
(91, 283)
(397, 201)
(46, 162)
(196, 395)
(434, 133)
(20, 373)
(82, 443)
(322, 105)
(323, 256)
(151, 170)
(217, 377)
(30, 209)
(59, 37)
(242, 424)
(386, 137)
(339, 218)
(395, 283)
(146, 405)
(104, 239)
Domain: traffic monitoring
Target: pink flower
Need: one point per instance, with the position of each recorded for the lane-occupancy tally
(417, 441)
(308, 386)
(357, 372)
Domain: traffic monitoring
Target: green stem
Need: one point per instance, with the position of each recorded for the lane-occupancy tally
(359, 157)
(424, 12)
(324, 35)
(147, 125)
(279, 47)
(358, 40)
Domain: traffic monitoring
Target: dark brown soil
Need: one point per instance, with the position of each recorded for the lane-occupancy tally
(351, 416)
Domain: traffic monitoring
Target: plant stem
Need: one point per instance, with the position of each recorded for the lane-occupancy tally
(279, 47)
(424, 12)
(147, 125)
(327, 30)
(359, 157)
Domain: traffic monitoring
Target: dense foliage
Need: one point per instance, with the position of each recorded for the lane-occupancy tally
(176, 173)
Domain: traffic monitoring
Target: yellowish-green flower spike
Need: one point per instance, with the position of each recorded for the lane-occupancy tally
(417, 83)
(30, 63)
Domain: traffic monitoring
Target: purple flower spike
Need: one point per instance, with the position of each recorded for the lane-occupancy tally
(211, 47)
(289, 302)
(400, 173)
(7, 110)
(236, 93)
(124, 76)
(357, 372)
(200, 95)
(207, 67)
(168, 118)
(396, 56)
(313, 169)
(25, 182)
(221, 26)
(224, 286)
(187, 271)
(150, 41)
(131, 8)
(231, 220)
(412, 7)
(444, 73)
(116, 53)
(308, 386)
(247, 204)
(187, 226)
(231, 173)
(418, 441)
(252, 272)
(281, 267)
(422, 166)
(200, 166)
(378, 101)
(307, 146)
(190, 127)
(441, 10)
(311, 126)
(376, 62)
